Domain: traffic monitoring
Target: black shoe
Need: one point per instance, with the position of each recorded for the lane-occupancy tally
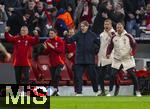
(102, 94)
(55, 93)
(116, 90)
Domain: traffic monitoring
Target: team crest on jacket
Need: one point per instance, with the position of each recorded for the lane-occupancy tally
(19, 41)
(56, 44)
(26, 42)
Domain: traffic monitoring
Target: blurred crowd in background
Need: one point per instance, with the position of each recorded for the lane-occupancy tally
(64, 14)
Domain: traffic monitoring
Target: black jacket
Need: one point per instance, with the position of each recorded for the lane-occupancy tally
(87, 45)
(99, 20)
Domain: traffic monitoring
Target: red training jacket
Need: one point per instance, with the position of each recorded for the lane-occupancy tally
(56, 55)
(22, 52)
(71, 48)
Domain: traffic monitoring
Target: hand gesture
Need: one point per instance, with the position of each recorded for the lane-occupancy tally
(65, 33)
(7, 29)
(35, 32)
(70, 55)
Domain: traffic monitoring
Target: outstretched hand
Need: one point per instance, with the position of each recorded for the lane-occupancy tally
(7, 29)
(35, 32)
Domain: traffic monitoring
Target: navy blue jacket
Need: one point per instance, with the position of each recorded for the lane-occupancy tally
(87, 45)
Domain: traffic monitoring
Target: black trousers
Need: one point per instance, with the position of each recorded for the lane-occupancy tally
(18, 73)
(79, 70)
(130, 71)
(55, 72)
(102, 72)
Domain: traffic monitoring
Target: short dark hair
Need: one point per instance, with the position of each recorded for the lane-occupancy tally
(86, 23)
(108, 20)
(120, 23)
(29, 12)
(52, 29)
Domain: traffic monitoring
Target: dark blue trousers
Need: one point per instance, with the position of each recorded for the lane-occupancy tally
(18, 72)
(79, 70)
(102, 72)
(55, 72)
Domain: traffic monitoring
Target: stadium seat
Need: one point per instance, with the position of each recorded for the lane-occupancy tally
(144, 81)
(69, 65)
(43, 60)
(32, 76)
(123, 79)
(40, 68)
(44, 71)
(143, 73)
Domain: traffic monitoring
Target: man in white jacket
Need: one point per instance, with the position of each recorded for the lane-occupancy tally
(104, 64)
(124, 47)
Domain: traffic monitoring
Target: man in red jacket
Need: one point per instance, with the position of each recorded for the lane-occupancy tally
(70, 48)
(22, 53)
(56, 50)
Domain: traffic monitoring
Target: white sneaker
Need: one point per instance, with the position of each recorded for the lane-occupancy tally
(79, 94)
(138, 94)
(97, 93)
(109, 94)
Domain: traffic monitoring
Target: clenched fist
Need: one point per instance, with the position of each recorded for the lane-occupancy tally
(7, 29)
(35, 32)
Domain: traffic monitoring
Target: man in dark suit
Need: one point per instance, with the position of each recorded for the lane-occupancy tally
(86, 48)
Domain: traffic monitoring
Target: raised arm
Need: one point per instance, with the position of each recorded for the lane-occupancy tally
(9, 37)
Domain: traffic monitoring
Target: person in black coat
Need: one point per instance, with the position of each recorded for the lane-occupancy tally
(100, 18)
(105, 10)
(86, 48)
